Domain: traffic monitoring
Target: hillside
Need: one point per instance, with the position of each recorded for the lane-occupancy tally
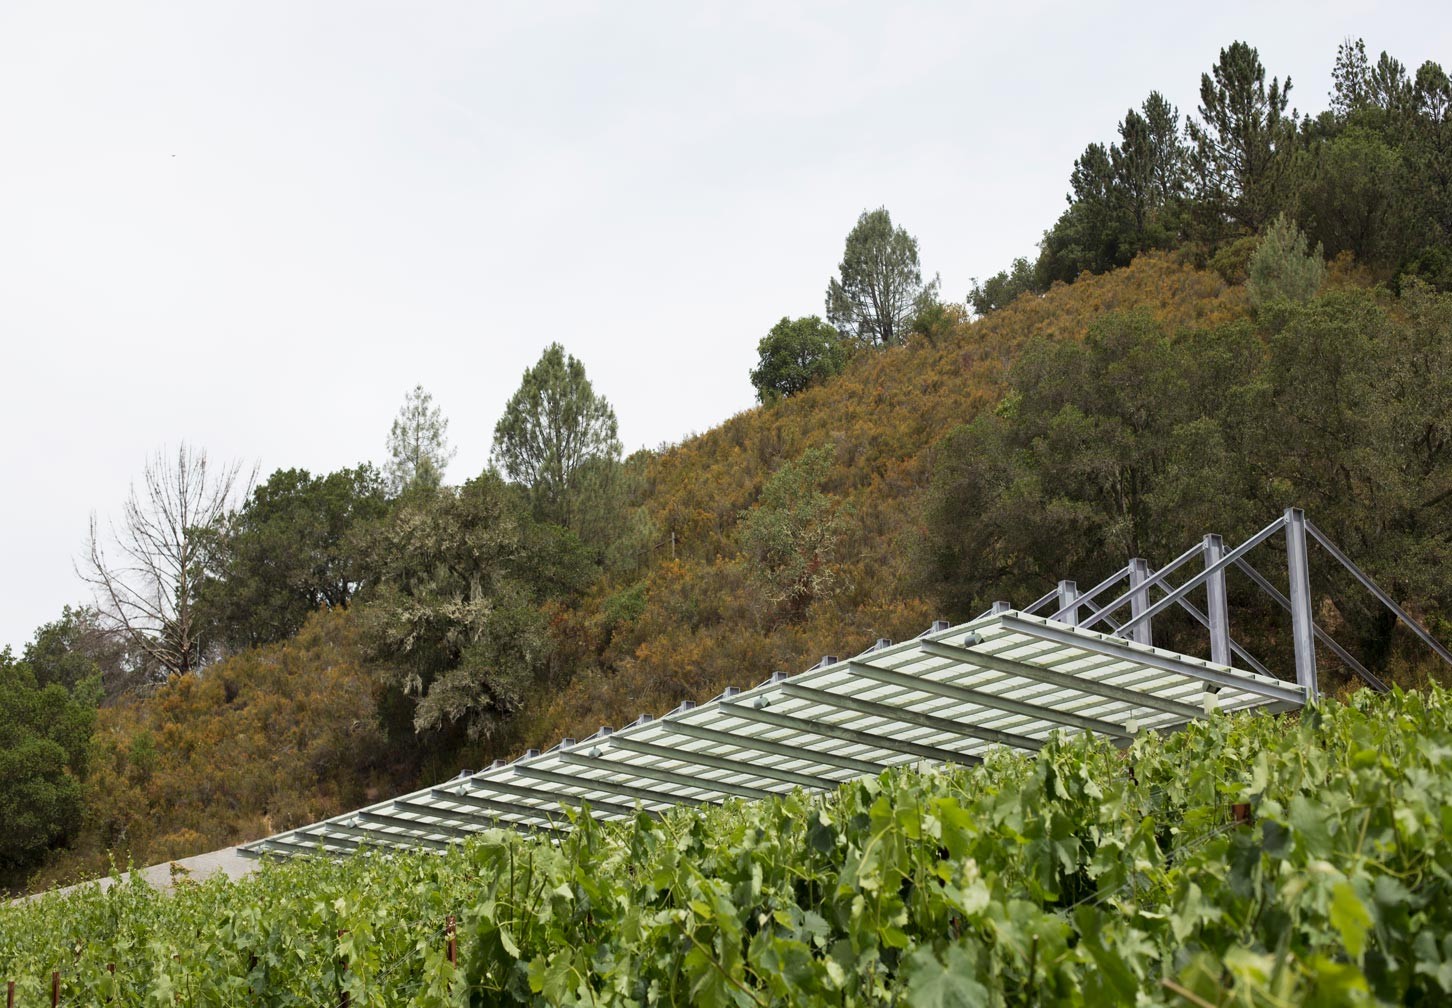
(700, 623)
(1125, 414)
(270, 738)
(303, 729)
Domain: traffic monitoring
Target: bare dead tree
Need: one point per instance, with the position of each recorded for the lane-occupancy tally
(145, 572)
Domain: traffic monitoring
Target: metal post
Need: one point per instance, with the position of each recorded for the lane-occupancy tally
(1216, 610)
(1069, 602)
(1302, 625)
(1000, 606)
(1139, 573)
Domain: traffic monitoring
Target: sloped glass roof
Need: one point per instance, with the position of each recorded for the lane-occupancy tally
(1006, 679)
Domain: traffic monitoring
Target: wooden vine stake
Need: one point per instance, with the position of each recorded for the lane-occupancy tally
(10, 994)
(344, 998)
(54, 988)
(453, 943)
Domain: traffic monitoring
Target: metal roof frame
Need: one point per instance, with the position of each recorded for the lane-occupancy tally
(1008, 679)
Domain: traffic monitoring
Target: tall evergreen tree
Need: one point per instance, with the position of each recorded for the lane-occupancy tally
(1350, 79)
(1243, 141)
(552, 428)
(418, 444)
(1167, 155)
(1094, 233)
(879, 287)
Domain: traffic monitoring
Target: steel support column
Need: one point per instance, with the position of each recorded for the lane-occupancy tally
(1068, 603)
(1139, 575)
(1216, 609)
(1303, 638)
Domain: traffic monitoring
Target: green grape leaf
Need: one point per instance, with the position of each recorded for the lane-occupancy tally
(1349, 918)
(947, 983)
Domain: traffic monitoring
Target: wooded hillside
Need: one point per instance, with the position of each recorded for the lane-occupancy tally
(1181, 358)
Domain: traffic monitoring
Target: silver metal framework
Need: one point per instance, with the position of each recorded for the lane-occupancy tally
(952, 695)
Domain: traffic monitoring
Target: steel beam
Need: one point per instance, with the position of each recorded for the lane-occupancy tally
(1244, 655)
(1066, 680)
(414, 826)
(761, 745)
(259, 849)
(841, 733)
(992, 701)
(1204, 621)
(452, 815)
(690, 756)
(1210, 570)
(291, 848)
(1068, 611)
(1154, 579)
(663, 776)
(1321, 635)
(1085, 598)
(300, 838)
(553, 797)
(890, 713)
(1126, 653)
(380, 838)
(1385, 599)
(547, 815)
(1043, 601)
(610, 787)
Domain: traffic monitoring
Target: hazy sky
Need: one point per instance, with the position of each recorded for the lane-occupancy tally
(253, 226)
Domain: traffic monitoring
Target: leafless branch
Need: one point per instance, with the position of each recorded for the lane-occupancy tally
(144, 571)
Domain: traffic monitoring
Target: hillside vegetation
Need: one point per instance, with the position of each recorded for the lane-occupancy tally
(872, 539)
(704, 619)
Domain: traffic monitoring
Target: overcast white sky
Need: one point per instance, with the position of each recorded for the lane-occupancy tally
(253, 226)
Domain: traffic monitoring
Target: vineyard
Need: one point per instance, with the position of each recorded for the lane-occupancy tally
(1248, 860)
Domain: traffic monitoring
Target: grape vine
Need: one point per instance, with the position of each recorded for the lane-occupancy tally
(1246, 860)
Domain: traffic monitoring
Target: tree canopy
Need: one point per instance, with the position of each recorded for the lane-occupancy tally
(794, 355)
(290, 549)
(792, 535)
(45, 735)
(879, 284)
(451, 608)
(418, 444)
(1370, 176)
(1243, 141)
(1104, 449)
(552, 429)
